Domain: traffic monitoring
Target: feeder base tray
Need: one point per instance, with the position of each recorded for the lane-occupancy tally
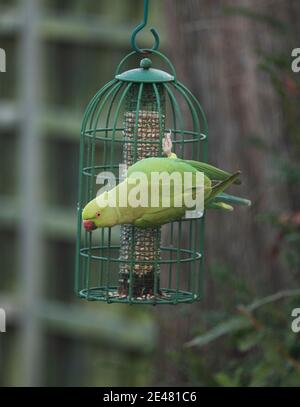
(111, 294)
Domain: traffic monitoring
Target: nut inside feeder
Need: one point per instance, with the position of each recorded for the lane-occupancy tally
(143, 131)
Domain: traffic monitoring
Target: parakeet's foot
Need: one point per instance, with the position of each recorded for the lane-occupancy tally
(167, 144)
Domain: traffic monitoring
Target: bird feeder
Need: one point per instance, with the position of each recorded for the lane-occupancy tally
(124, 122)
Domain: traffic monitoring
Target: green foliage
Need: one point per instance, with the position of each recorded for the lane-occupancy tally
(249, 345)
(231, 325)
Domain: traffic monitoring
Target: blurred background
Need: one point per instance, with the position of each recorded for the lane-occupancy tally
(236, 57)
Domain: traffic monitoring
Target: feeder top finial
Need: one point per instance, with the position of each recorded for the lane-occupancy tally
(145, 73)
(146, 63)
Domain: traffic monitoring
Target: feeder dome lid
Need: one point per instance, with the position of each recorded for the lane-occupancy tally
(145, 74)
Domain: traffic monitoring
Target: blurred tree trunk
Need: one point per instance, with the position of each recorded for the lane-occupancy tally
(216, 56)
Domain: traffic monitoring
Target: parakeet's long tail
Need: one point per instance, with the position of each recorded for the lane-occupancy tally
(232, 199)
(224, 201)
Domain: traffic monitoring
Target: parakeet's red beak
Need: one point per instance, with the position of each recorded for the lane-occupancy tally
(89, 225)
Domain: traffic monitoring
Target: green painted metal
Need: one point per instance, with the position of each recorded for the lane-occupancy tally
(140, 27)
(179, 267)
(145, 74)
(153, 52)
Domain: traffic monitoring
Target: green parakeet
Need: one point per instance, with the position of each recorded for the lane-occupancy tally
(97, 213)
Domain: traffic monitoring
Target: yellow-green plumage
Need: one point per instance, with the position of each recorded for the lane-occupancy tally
(215, 182)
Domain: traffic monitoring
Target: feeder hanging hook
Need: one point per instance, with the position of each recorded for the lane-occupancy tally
(140, 27)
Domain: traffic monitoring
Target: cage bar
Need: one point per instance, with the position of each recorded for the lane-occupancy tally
(125, 122)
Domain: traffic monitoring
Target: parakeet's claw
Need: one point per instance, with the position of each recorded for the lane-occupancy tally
(167, 144)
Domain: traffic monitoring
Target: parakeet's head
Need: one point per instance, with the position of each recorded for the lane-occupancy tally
(91, 215)
(97, 214)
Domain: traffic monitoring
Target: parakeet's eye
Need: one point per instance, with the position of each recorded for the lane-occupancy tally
(98, 214)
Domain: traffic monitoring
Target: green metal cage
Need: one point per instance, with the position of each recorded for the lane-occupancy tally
(125, 122)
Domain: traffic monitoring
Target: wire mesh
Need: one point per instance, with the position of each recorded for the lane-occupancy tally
(125, 122)
(143, 121)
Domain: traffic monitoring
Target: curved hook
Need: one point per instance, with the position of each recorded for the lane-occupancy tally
(140, 27)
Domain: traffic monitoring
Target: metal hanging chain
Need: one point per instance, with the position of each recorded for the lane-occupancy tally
(140, 27)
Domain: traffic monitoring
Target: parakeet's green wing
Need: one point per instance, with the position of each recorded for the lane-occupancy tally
(210, 171)
(160, 215)
(160, 164)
